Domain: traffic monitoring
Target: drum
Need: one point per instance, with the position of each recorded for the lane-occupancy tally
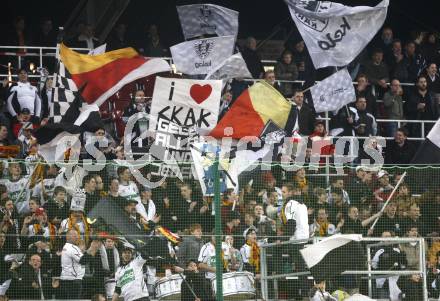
(168, 288)
(237, 286)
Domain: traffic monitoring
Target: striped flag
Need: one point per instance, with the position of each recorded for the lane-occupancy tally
(203, 55)
(107, 73)
(234, 66)
(201, 19)
(334, 255)
(253, 110)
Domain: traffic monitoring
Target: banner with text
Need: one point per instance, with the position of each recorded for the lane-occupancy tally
(181, 110)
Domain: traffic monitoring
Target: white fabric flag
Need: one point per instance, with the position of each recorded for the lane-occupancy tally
(200, 19)
(203, 156)
(98, 50)
(334, 92)
(234, 66)
(335, 34)
(202, 56)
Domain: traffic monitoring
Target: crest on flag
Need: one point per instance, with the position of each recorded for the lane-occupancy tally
(317, 7)
(203, 55)
(205, 16)
(334, 33)
(200, 19)
(203, 48)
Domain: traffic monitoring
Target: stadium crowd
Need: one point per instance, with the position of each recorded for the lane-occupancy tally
(43, 218)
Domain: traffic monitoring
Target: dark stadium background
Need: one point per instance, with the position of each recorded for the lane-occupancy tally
(257, 17)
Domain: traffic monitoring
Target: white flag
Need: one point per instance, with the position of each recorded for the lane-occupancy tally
(335, 34)
(204, 155)
(98, 50)
(334, 92)
(234, 66)
(202, 56)
(200, 19)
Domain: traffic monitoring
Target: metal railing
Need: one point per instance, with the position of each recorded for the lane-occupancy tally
(369, 272)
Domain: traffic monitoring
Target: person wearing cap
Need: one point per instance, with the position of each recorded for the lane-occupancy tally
(357, 188)
(129, 207)
(250, 252)
(77, 220)
(37, 225)
(130, 284)
(23, 95)
(197, 283)
(382, 193)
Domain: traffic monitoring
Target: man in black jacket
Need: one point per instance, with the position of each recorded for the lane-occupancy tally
(305, 117)
(195, 282)
(35, 283)
(400, 150)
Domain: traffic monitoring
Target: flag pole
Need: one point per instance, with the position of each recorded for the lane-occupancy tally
(388, 200)
(218, 232)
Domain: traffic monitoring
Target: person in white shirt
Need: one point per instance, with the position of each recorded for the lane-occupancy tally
(250, 252)
(24, 95)
(129, 190)
(77, 219)
(130, 284)
(294, 214)
(73, 260)
(207, 259)
(15, 185)
(295, 219)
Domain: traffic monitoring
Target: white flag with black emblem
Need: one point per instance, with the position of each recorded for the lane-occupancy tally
(203, 55)
(234, 66)
(200, 19)
(334, 92)
(335, 34)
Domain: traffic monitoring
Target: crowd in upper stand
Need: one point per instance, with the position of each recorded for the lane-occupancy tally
(36, 220)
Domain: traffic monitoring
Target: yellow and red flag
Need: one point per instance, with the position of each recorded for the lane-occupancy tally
(107, 73)
(252, 110)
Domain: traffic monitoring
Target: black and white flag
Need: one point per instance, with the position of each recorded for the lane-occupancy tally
(334, 255)
(200, 19)
(333, 33)
(203, 55)
(429, 151)
(62, 98)
(334, 92)
(63, 79)
(234, 66)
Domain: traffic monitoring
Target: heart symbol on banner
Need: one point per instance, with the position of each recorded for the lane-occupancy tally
(200, 93)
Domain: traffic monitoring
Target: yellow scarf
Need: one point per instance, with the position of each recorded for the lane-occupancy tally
(301, 183)
(73, 225)
(254, 259)
(323, 228)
